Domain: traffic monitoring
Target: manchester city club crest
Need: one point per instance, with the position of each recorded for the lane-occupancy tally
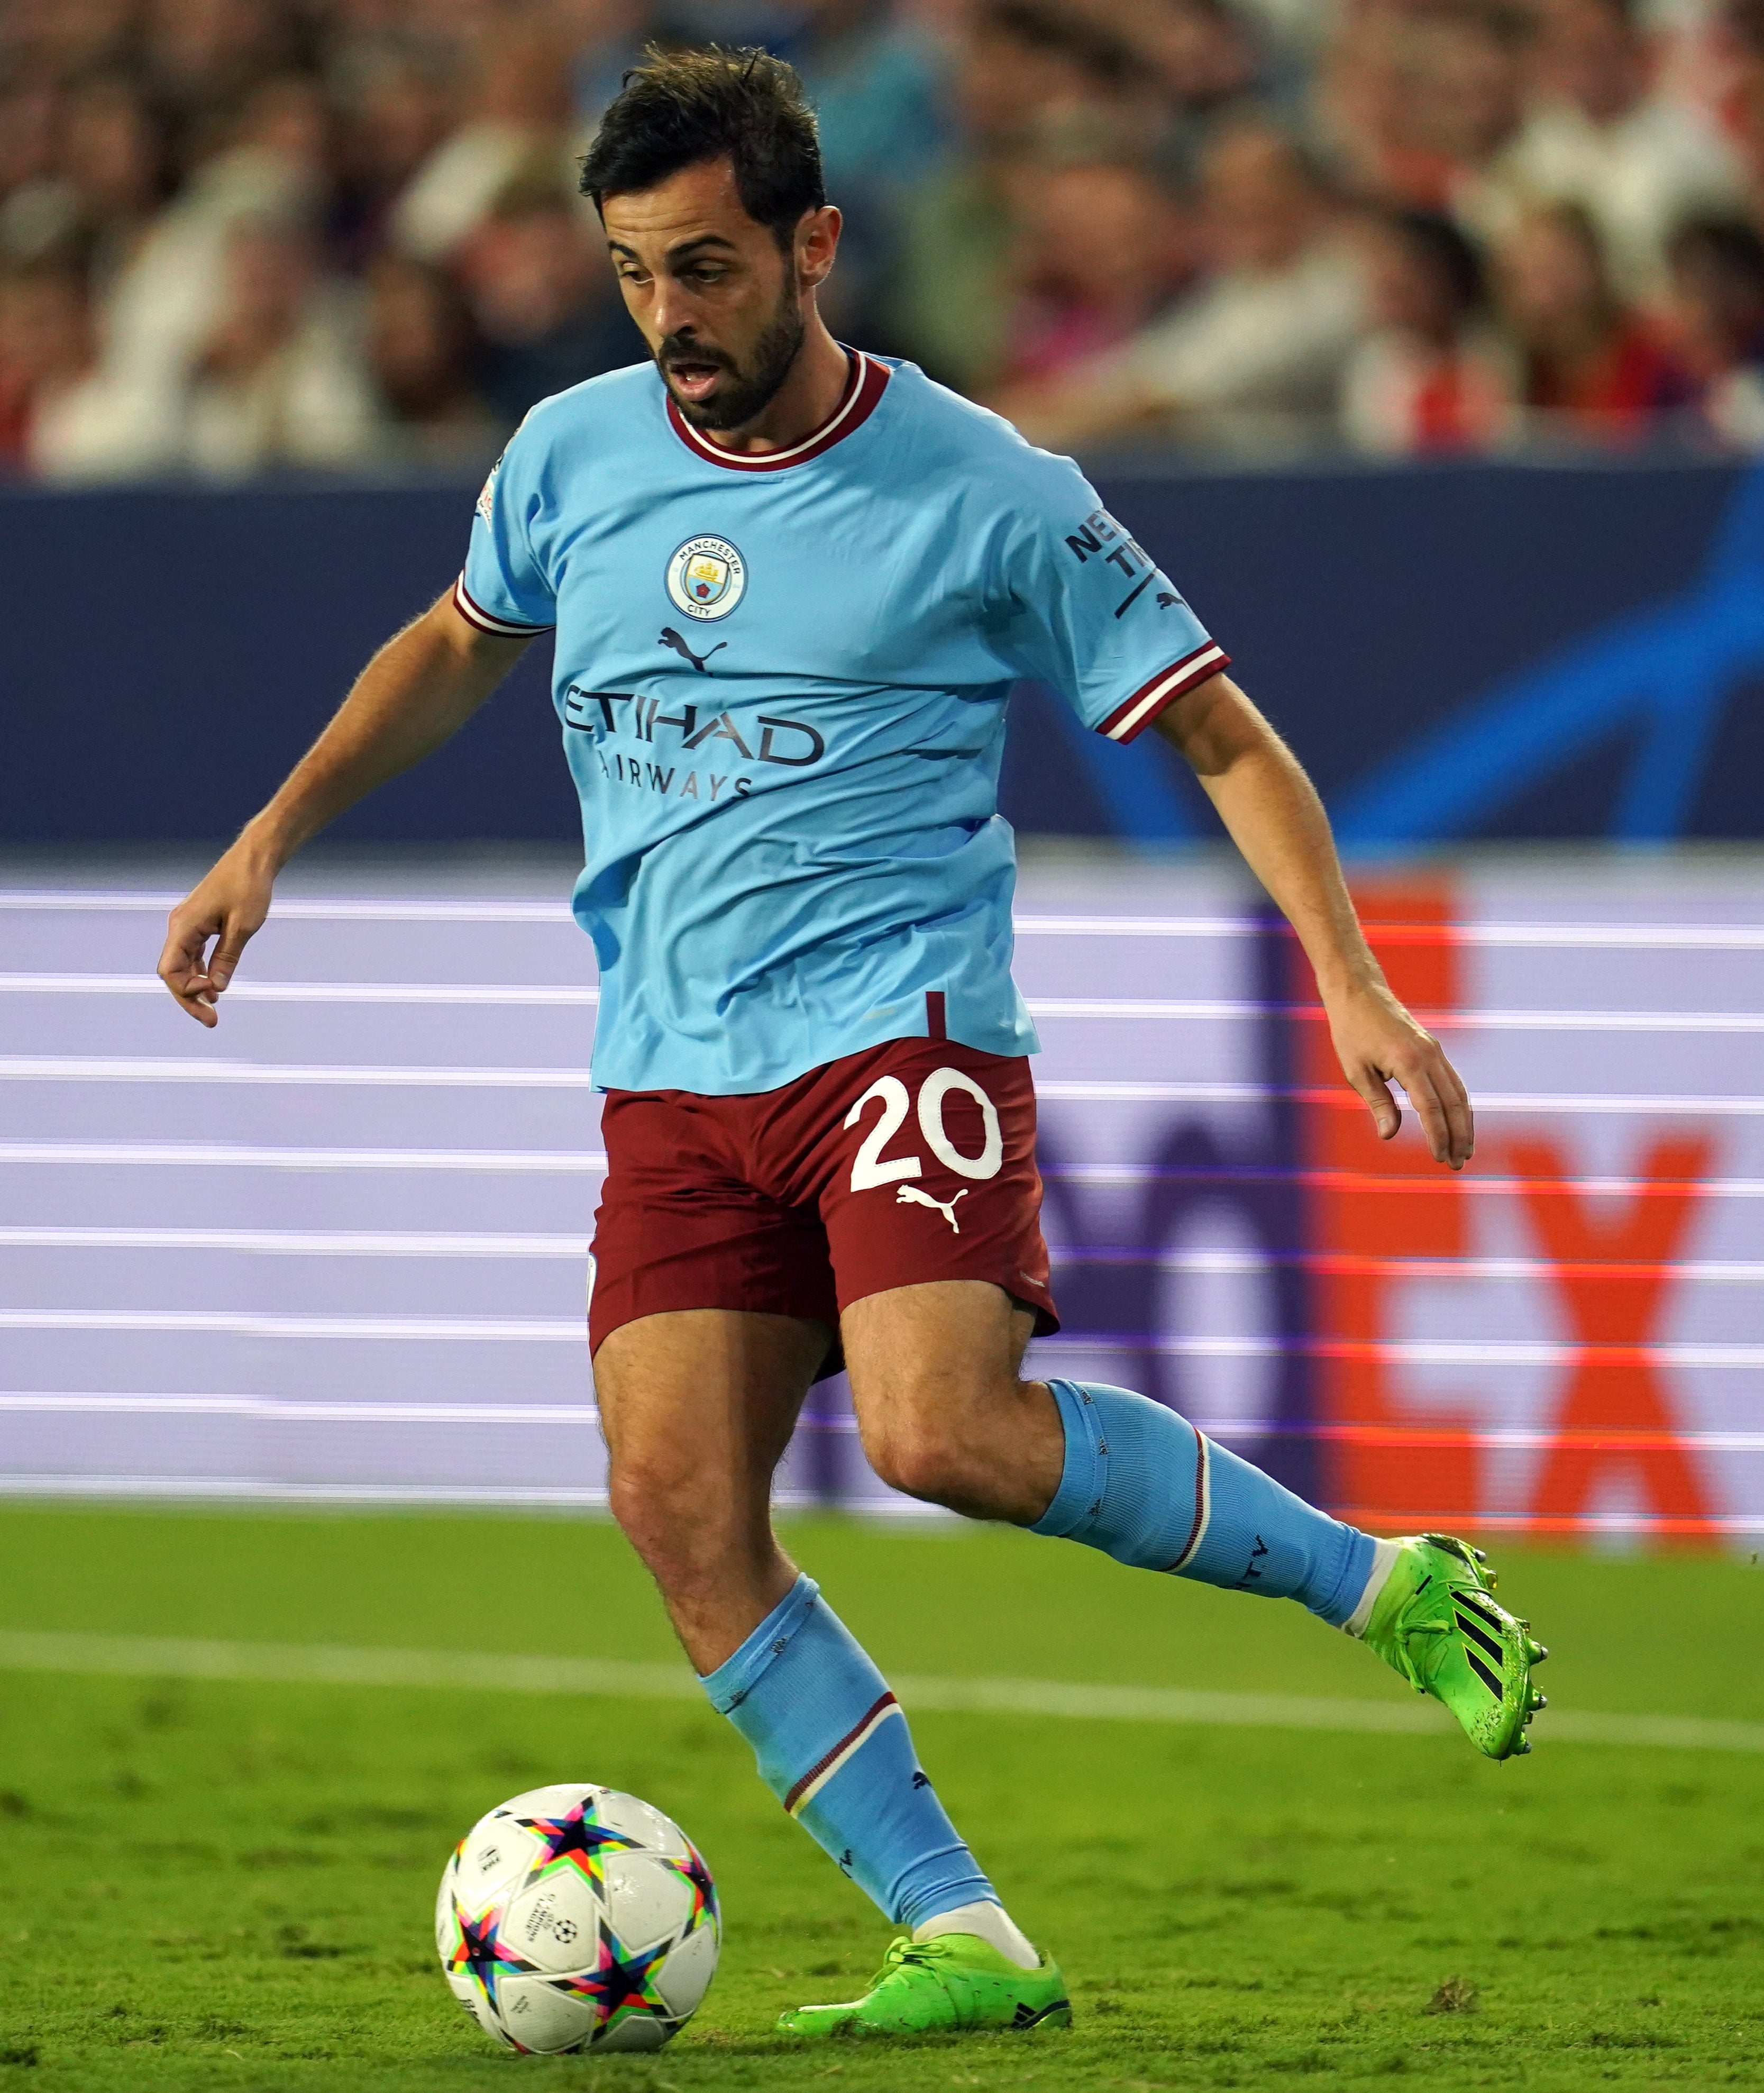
(707, 578)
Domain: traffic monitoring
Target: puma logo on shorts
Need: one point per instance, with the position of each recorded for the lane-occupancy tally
(909, 1195)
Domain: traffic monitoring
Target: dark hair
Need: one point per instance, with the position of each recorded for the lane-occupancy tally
(1442, 247)
(1041, 28)
(679, 108)
(1728, 246)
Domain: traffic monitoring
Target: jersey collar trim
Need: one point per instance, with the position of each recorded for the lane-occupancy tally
(865, 384)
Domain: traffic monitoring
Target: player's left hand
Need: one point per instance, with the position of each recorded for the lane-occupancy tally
(1378, 1043)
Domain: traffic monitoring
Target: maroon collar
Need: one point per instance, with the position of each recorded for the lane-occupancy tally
(865, 383)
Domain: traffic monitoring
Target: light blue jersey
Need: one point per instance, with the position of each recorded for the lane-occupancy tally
(782, 680)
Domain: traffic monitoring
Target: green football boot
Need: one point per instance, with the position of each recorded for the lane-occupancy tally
(947, 1986)
(1437, 1623)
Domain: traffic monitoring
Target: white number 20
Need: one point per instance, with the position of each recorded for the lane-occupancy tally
(869, 1169)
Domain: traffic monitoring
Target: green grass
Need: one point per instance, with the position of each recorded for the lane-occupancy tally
(229, 1886)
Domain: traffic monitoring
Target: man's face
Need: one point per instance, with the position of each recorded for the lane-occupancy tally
(720, 306)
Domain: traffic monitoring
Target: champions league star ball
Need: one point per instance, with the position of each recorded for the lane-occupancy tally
(577, 1917)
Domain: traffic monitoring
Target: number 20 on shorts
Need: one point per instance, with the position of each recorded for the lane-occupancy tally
(868, 1168)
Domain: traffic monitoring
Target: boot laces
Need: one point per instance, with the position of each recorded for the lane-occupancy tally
(904, 1952)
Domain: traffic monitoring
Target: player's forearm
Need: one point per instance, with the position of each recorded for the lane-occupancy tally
(1273, 815)
(416, 694)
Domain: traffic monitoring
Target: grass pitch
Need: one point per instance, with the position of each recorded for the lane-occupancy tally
(229, 1885)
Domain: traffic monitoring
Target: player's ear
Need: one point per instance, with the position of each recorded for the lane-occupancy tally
(817, 242)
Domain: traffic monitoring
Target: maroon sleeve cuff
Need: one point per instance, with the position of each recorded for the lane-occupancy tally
(486, 621)
(1134, 714)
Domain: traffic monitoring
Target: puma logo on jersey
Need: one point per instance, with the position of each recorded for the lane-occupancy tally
(670, 638)
(909, 1195)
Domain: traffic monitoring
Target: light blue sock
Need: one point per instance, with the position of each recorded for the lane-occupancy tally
(833, 1746)
(1142, 1485)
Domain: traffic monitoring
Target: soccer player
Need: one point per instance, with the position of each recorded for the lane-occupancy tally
(791, 586)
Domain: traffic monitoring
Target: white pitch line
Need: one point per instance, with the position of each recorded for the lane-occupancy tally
(318, 1664)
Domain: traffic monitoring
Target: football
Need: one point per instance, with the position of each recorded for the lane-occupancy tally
(577, 1917)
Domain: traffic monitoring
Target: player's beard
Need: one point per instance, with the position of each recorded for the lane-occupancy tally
(746, 393)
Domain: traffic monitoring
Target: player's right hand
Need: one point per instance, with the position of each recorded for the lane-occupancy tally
(229, 907)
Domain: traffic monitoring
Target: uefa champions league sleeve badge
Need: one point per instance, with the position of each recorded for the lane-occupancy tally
(707, 578)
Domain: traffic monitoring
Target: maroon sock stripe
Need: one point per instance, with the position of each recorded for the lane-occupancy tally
(936, 1027)
(825, 1767)
(1202, 1507)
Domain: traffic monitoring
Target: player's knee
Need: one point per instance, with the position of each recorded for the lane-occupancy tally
(925, 1459)
(659, 1508)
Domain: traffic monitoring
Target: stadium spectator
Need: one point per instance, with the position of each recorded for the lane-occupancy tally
(394, 114)
(164, 299)
(115, 165)
(1199, 54)
(1024, 70)
(30, 122)
(1254, 356)
(64, 41)
(280, 382)
(1087, 212)
(1432, 376)
(1589, 367)
(1415, 104)
(203, 58)
(1103, 245)
(543, 298)
(1718, 307)
(423, 353)
(45, 347)
(517, 122)
(874, 81)
(1597, 135)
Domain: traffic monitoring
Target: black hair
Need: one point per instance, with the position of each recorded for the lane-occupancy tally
(1730, 246)
(1042, 27)
(680, 108)
(1451, 256)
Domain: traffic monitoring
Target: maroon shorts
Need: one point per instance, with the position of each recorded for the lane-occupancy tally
(909, 1162)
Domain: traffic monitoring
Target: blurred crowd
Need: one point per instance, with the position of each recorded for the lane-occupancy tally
(249, 236)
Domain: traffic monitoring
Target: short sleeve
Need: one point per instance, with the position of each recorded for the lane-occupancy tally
(1088, 610)
(503, 590)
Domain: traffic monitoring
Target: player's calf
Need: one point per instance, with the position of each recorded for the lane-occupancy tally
(943, 1413)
